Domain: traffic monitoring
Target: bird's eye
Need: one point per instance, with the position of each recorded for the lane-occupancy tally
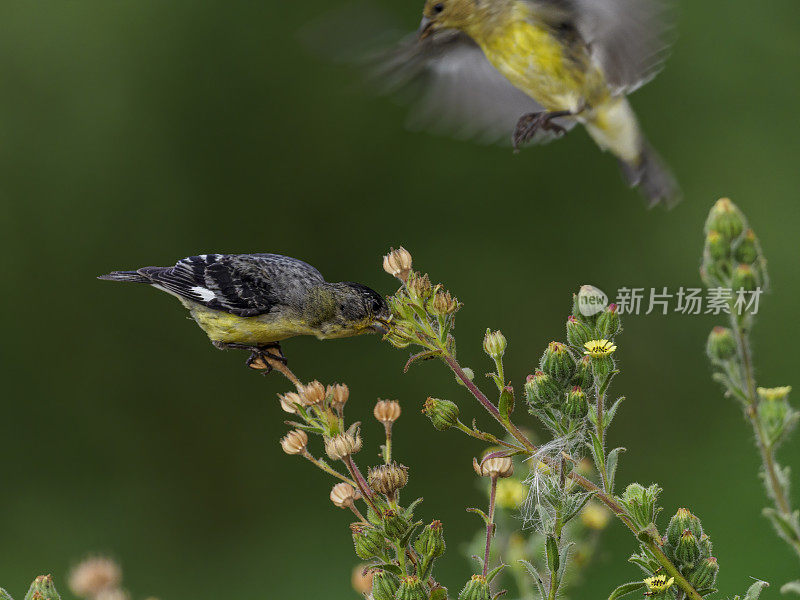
(437, 8)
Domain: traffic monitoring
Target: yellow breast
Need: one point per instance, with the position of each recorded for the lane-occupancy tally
(537, 62)
(263, 329)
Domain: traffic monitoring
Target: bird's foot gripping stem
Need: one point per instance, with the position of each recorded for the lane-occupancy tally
(529, 124)
(262, 358)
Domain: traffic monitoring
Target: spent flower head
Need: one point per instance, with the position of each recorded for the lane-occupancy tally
(342, 445)
(290, 401)
(312, 394)
(498, 466)
(388, 479)
(343, 495)
(387, 411)
(398, 263)
(294, 442)
(338, 394)
(94, 575)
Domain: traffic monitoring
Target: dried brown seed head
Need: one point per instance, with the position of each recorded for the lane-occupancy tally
(387, 411)
(388, 479)
(338, 393)
(342, 445)
(398, 263)
(344, 495)
(494, 467)
(294, 442)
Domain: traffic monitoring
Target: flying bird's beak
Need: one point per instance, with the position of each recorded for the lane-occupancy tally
(425, 28)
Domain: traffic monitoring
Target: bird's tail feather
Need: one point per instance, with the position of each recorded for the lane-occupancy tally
(653, 177)
(131, 276)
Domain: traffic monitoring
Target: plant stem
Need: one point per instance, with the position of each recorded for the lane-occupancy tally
(360, 482)
(767, 452)
(387, 455)
(490, 526)
(327, 469)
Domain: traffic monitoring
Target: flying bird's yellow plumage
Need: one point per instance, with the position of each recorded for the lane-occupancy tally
(487, 68)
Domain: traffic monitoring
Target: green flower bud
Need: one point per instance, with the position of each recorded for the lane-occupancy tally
(704, 574)
(542, 389)
(705, 546)
(577, 406)
(384, 585)
(641, 502)
(494, 344)
(430, 541)
(476, 589)
(395, 525)
(726, 219)
(558, 362)
(747, 249)
(716, 246)
(744, 278)
(42, 588)
(578, 333)
(411, 588)
(688, 550)
(583, 374)
(442, 413)
(681, 521)
(368, 541)
(721, 345)
(608, 323)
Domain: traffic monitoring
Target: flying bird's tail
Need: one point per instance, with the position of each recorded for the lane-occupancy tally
(132, 276)
(652, 176)
(614, 127)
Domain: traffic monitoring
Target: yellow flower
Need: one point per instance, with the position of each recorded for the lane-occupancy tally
(510, 493)
(599, 348)
(776, 393)
(659, 583)
(595, 516)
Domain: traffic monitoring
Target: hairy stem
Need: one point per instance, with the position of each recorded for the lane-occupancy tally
(327, 469)
(779, 497)
(490, 526)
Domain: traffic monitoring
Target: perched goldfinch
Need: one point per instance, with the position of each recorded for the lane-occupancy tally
(487, 68)
(253, 301)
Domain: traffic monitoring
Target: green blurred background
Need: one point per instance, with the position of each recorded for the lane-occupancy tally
(137, 132)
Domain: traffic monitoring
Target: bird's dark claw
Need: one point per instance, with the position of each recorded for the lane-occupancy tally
(260, 356)
(529, 124)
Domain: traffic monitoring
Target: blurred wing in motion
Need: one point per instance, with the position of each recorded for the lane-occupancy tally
(453, 89)
(628, 38)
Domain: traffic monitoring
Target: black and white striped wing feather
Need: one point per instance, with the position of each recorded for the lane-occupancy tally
(242, 284)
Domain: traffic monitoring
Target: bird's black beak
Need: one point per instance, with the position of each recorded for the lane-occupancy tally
(381, 326)
(425, 28)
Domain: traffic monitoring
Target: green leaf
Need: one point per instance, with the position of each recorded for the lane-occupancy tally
(506, 404)
(4, 595)
(494, 573)
(792, 586)
(563, 558)
(707, 591)
(625, 589)
(536, 577)
(481, 514)
(409, 512)
(609, 416)
(597, 450)
(611, 466)
(392, 568)
(754, 591)
(787, 527)
(551, 553)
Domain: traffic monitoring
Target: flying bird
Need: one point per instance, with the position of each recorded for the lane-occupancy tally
(532, 69)
(253, 301)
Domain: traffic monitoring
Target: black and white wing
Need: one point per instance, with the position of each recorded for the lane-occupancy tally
(241, 284)
(453, 89)
(627, 38)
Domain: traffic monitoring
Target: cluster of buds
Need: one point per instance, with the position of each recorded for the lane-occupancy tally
(689, 548)
(315, 398)
(422, 313)
(641, 503)
(558, 391)
(732, 256)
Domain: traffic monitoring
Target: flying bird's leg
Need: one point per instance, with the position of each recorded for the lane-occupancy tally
(529, 124)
